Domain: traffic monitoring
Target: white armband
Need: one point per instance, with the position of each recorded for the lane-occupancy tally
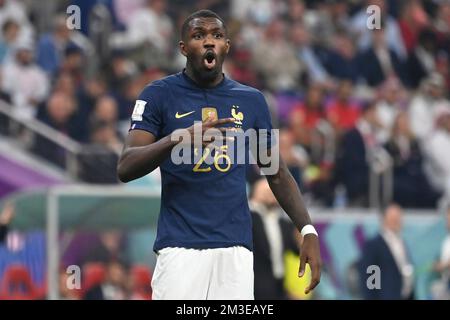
(309, 228)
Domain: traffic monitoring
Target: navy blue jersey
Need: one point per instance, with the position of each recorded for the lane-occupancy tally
(203, 204)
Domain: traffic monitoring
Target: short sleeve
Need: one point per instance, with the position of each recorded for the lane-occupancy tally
(147, 112)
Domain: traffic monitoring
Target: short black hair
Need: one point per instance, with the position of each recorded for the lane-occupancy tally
(199, 14)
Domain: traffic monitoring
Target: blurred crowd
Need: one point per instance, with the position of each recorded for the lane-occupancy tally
(103, 270)
(107, 273)
(343, 95)
(276, 245)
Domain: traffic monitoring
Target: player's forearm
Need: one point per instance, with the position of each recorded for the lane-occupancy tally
(289, 197)
(136, 162)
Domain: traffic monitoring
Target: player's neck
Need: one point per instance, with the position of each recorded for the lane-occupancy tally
(201, 82)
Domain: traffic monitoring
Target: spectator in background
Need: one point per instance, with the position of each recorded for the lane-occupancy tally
(294, 156)
(301, 40)
(394, 41)
(441, 24)
(64, 83)
(306, 115)
(66, 293)
(24, 81)
(98, 161)
(126, 98)
(341, 62)
(441, 288)
(422, 59)
(443, 67)
(307, 121)
(339, 14)
(126, 9)
(411, 186)
(51, 47)
(109, 248)
(357, 148)
(149, 26)
(16, 11)
(104, 135)
(379, 62)
(90, 92)
(275, 60)
(392, 99)
(105, 141)
(74, 63)
(437, 149)
(58, 114)
(240, 68)
(326, 18)
(105, 110)
(413, 19)
(389, 252)
(114, 287)
(8, 41)
(140, 278)
(252, 27)
(59, 111)
(119, 70)
(272, 237)
(295, 11)
(423, 106)
(342, 111)
(6, 216)
(258, 11)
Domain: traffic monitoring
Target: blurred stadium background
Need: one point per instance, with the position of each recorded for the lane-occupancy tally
(364, 118)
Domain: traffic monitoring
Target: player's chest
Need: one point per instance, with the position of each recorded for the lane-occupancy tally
(184, 110)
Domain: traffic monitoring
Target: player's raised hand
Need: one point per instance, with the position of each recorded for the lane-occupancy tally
(210, 130)
(310, 254)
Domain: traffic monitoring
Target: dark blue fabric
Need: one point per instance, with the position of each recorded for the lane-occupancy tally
(205, 209)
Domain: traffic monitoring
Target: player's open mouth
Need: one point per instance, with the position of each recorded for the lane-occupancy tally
(209, 60)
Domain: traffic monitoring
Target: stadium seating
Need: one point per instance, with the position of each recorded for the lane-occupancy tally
(141, 278)
(18, 285)
(93, 275)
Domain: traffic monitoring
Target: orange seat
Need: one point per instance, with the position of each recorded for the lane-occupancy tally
(141, 277)
(94, 273)
(17, 284)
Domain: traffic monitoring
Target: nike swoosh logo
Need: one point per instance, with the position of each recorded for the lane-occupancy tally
(178, 116)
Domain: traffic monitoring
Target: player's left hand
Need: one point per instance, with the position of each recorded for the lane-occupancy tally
(310, 254)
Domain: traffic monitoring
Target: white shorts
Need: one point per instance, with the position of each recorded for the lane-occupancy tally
(207, 274)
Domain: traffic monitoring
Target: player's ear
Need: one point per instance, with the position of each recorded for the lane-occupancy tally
(182, 48)
(228, 45)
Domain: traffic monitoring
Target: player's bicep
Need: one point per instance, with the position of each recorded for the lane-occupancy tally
(139, 138)
(147, 114)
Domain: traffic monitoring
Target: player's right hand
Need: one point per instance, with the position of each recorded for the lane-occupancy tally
(210, 130)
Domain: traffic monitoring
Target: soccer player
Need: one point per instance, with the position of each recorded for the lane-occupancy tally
(204, 236)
